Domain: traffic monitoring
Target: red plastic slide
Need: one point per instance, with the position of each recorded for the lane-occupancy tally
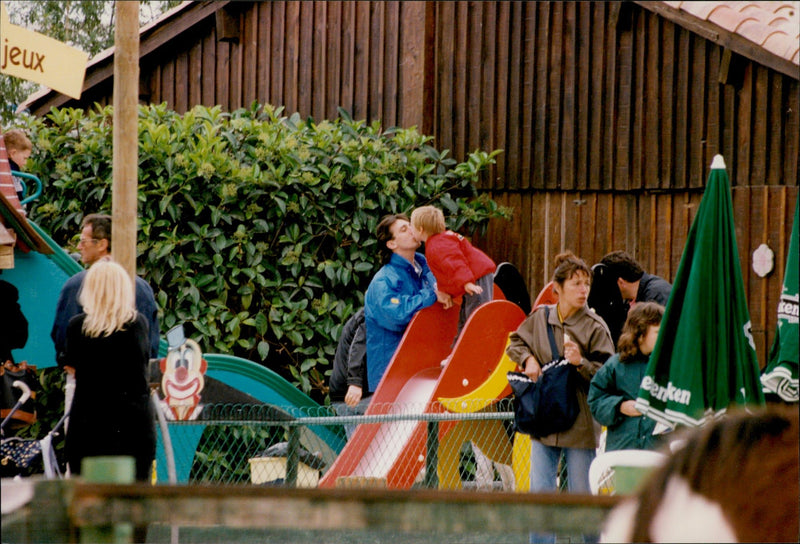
(395, 451)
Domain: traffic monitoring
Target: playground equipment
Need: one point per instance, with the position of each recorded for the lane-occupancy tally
(471, 382)
(394, 452)
(39, 277)
(37, 186)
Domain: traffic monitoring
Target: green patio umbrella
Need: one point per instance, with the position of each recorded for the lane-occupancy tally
(780, 374)
(704, 360)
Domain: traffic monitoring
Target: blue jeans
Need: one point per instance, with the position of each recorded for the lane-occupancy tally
(358, 410)
(544, 467)
(470, 303)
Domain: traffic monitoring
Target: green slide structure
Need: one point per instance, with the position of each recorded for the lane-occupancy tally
(39, 279)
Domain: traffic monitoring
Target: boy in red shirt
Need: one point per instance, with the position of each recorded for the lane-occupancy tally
(461, 269)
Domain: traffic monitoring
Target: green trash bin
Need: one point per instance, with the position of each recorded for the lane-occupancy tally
(627, 479)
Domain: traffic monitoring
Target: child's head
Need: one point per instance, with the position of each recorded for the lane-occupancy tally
(640, 331)
(698, 489)
(18, 145)
(428, 220)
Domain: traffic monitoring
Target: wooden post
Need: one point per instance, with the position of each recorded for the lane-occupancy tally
(126, 141)
(119, 469)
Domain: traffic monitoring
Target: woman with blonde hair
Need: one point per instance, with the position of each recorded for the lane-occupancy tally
(108, 346)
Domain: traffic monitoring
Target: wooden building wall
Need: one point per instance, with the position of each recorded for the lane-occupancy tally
(310, 57)
(608, 114)
(605, 96)
(609, 117)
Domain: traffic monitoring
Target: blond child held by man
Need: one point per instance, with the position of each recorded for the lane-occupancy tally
(462, 270)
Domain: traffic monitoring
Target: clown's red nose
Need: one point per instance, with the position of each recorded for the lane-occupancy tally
(180, 374)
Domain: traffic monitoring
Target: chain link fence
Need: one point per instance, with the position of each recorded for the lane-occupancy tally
(396, 445)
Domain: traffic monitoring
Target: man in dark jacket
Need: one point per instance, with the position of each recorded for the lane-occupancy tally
(634, 284)
(13, 325)
(623, 279)
(94, 245)
(349, 376)
(349, 389)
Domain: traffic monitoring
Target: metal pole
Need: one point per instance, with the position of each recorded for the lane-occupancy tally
(432, 457)
(126, 150)
(292, 456)
(166, 438)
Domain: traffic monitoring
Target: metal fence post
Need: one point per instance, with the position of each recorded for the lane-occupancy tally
(432, 456)
(292, 455)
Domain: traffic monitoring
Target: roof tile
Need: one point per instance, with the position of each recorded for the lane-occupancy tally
(774, 25)
(724, 16)
(753, 30)
(701, 10)
(787, 11)
(779, 41)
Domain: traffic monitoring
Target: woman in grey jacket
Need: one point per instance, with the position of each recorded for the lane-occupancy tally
(582, 338)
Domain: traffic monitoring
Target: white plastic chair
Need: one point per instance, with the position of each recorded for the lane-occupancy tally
(603, 477)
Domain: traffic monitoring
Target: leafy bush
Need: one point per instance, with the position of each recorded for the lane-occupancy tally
(256, 229)
(224, 451)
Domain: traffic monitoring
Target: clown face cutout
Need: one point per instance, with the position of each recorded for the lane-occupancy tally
(182, 380)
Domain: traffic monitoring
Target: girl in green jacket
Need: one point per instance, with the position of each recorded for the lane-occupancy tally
(614, 388)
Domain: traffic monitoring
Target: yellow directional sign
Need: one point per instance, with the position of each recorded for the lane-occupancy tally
(35, 57)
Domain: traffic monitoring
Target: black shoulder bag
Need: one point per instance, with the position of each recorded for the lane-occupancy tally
(549, 405)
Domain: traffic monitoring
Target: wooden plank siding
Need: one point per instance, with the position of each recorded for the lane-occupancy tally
(371, 58)
(609, 147)
(652, 226)
(645, 112)
(608, 113)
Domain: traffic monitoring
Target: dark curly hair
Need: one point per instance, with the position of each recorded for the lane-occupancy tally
(384, 234)
(622, 265)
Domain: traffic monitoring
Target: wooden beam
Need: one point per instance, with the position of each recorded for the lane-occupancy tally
(413, 56)
(144, 88)
(620, 16)
(731, 69)
(61, 508)
(339, 509)
(227, 26)
(429, 70)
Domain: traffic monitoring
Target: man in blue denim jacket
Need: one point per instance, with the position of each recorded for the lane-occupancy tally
(402, 287)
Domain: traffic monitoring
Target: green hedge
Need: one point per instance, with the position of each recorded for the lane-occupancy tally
(255, 229)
